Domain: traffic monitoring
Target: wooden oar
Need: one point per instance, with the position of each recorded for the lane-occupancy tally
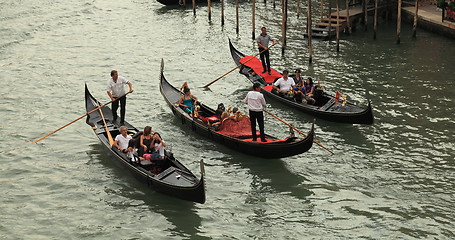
(296, 129)
(238, 66)
(47, 135)
(109, 136)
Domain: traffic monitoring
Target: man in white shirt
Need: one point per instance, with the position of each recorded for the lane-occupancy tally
(256, 103)
(122, 140)
(283, 84)
(115, 91)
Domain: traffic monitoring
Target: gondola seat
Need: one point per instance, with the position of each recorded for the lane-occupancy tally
(210, 119)
(155, 166)
(147, 165)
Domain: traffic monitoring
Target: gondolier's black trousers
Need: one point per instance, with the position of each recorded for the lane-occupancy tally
(265, 55)
(259, 116)
(122, 101)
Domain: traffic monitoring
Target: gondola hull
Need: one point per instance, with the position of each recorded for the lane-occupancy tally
(188, 3)
(176, 180)
(290, 147)
(328, 109)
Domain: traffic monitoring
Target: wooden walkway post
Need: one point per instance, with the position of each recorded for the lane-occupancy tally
(309, 31)
(365, 12)
(375, 18)
(236, 16)
(298, 8)
(322, 10)
(283, 26)
(194, 7)
(222, 12)
(347, 17)
(338, 26)
(414, 27)
(210, 13)
(254, 7)
(330, 20)
(399, 22)
(387, 11)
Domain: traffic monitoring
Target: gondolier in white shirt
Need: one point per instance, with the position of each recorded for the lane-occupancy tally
(256, 102)
(115, 90)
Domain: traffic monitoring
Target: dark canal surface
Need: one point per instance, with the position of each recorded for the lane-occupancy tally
(390, 180)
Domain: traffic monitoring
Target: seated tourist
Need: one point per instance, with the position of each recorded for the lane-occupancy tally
(236, 115)
(220, 114)
(309, 90)
(145, 141)
(158, 146)
(298, 78)
(187, 101)
(283, 84)
(299, 93)
(122, 140)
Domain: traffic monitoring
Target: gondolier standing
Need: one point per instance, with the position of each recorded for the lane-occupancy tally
(256, 103)
(115, 90)
(263, 42)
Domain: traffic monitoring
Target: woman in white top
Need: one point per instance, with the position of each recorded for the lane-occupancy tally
(158, 148)
(158, 144)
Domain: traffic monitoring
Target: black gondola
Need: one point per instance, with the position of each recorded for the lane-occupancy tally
(273, 148)
(173, 178)
(325, 106)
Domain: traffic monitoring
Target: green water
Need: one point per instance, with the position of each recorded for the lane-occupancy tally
(393, 179)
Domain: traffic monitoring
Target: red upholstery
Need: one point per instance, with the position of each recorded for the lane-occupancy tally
(268, 88)
(231, 128)
(210, 119)
(256, 65)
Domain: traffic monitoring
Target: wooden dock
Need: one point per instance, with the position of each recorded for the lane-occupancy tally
(321, 29)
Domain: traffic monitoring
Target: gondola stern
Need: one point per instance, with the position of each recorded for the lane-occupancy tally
(88, 96)
(311, 133)
(202, 181)
(234, 51)
(369, 113)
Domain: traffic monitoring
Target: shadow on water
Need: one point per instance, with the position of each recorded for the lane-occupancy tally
(180, 213)
(271, 175)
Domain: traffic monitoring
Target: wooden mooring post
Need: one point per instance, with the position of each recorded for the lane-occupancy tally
(347, 18)
(210, 14)
(236, 16)
(399, 22)
(338, 26)
(375, 18)
(254, 7)
(414, 27)
(309, 32)
(365, 15)
(194, 7)
(284, 25)
(298, 8)
(330, 22)
(222, 12)
(322, 9)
